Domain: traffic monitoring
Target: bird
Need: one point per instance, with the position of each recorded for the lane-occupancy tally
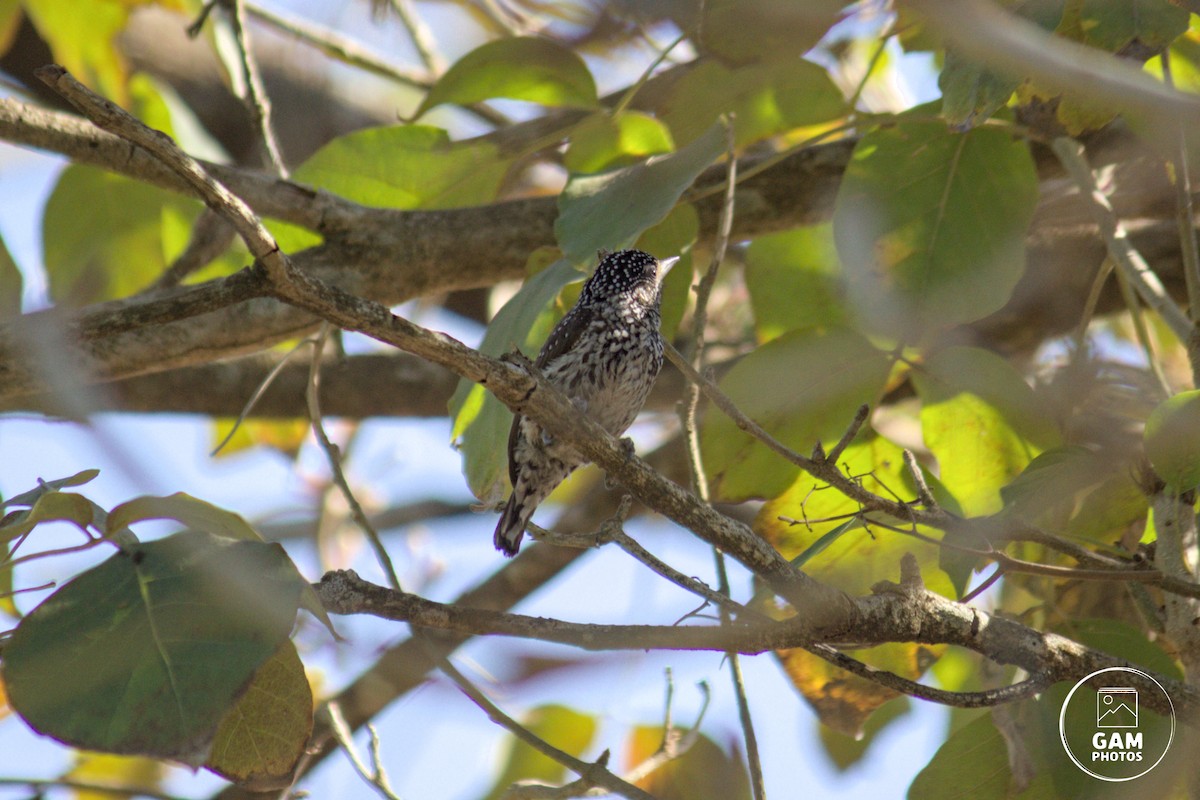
(604, 354)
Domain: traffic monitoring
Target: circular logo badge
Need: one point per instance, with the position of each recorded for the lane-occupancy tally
(1109, 728)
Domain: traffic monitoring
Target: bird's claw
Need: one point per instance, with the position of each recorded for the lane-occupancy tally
(628, 449)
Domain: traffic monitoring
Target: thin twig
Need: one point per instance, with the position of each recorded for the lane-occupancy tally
(1129, 261)
(312, 397)
(259, 392)
(373, 775)
(420, 35)
(1141, 331)
(695, 346)
(596, 773)
(990, 697)
(255, 94)
(1185, 219)
(339, 47)
(860, 419)
(673, 743)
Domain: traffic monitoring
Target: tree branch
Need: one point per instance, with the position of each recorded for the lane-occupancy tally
(894, 613)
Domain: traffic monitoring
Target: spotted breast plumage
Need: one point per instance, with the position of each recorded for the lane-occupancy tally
(605, 355)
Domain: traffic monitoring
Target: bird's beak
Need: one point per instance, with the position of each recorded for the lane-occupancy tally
(665, 265)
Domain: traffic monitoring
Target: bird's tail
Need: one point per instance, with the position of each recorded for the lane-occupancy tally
(511, 528)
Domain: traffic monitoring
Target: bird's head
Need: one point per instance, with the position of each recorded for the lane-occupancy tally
(627, 273)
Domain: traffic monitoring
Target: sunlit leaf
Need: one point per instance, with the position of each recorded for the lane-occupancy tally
(285, 435)
(103, 234)
(802, 387)
(50, 507)
(1113, 24)
(704, 772)
(144, 653)
(602, 142)
(1172, 440)
(793, 279)
(931, 224)
(983, 423)
(108, 770)
(973, 763)
(82, 35)
(405, 166)
(518, 68)
(569, 730)
(10, 20)
(764, 99)
(854, 560)
(265, 733)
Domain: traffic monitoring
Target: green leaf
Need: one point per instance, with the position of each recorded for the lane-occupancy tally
(103, 234)
(408, 166)
(1077, 492)
(481, 422)
(144, 653)
(519, 68)
(764, 99)
(794, 282)
(1112, 25)
(802, 387)
(838, 550)
(742, 31)
(569, 730)
(982, 422)
(603, 142)
(973, 763)
(83, 35)
(11, 284)
(971, 92)
(1172, 440)
(50, 507)
(203, 516)
(930, 224)
(31, 497)
(184, 508)
(610, 210)
(264, 735)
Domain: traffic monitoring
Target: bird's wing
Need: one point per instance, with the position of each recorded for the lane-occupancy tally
(561, 339)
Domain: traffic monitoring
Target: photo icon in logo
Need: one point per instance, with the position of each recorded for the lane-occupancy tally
(1117, 707)
(1117, 732)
